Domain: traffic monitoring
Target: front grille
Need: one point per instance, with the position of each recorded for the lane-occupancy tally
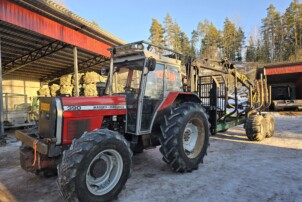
(76, 128)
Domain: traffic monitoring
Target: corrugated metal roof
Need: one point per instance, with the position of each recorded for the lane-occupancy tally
(64, 16)
(18, 43)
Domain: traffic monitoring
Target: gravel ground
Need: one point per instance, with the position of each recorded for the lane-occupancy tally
(235, 169)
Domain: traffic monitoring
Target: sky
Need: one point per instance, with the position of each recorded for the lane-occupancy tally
(130, 20)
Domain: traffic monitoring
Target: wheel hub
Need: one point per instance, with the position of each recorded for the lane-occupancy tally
(190, 137)
(98, 168)
(104, 172)
(193, 138)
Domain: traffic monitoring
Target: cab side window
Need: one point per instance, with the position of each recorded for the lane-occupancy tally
(173, 80)
(155, 83)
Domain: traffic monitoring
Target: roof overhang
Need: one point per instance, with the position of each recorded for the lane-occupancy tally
(38, 37)
(283, 70)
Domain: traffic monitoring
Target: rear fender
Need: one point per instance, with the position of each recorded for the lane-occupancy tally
(178, 97)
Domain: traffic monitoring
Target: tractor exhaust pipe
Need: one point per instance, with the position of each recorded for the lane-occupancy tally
(111, 73)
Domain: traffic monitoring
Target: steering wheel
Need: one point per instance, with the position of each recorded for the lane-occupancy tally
(129, 89)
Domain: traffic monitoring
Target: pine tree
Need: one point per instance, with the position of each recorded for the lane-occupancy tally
(210, 40)
(184, 46)
(169, 31)
(229, 39)
(272, 34)
(293, 36)
(193, 42)
(172, 33)
(156, 33)
(250, 51)
(239, 43)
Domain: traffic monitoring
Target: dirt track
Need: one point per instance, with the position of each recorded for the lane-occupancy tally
(234, 170)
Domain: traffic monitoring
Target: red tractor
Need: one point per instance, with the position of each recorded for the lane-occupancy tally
(142, 105)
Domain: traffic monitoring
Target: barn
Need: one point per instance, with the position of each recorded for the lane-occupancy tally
(39, 42)
(285, 80)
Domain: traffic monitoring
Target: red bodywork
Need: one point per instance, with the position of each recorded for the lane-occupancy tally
(171, 98)
(78, 121)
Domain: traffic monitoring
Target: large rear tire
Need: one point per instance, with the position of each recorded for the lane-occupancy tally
(255, 128)
(96, 167)
(269, 125)
(185, 137)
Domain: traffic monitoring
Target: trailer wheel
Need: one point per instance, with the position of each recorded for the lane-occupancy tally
(185, 137)
(255, 128)
(95, 168)
(270, 125)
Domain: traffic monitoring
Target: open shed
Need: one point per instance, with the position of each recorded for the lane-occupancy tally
(286, 82)
(41, 41)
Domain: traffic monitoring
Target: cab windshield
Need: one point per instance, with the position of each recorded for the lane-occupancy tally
(127, 76)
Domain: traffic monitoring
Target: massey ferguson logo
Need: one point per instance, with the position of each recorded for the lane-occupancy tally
(93, 107)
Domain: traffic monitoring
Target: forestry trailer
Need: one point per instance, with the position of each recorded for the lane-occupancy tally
(145, 103)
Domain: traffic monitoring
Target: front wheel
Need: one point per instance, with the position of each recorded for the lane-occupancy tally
(95, 168)
(185, 137)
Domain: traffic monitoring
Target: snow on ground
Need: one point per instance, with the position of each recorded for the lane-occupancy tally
(235, 169)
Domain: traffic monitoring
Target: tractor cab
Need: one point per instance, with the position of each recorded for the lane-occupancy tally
(145, 74)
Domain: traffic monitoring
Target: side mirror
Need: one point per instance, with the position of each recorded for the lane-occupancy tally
(151, 64)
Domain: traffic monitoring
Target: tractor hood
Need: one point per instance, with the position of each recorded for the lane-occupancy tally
(93, 103)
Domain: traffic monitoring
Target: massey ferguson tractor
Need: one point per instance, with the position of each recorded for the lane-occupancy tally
(145, 103)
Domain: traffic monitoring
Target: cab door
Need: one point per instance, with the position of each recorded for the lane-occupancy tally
(152, 97)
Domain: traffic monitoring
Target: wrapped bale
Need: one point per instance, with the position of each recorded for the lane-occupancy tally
(91, 77)
(80, 78)
(65, 80)
(81, 90)
(103, 79)
(90, 90)
(54, 90)
(66, 90)
(44, 91)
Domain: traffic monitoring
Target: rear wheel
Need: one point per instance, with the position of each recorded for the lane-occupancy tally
(185, 137)
(255, 128)
(95, 168)
(269, 125)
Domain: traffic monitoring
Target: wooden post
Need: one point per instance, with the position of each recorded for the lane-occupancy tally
(1, 98)
(76, 80)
